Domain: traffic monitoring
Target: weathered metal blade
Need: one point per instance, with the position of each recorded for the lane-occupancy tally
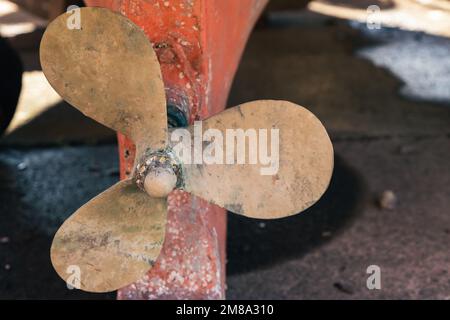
(288, 186)
(111, 241)
(108, 70)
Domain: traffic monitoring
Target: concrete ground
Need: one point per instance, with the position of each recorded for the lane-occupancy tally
(384, 97)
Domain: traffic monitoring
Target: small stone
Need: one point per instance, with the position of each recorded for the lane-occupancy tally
(22, 166)
(4, 240)
(326, 234)
(387, 200)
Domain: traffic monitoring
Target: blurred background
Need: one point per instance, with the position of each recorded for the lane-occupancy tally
(377, 73)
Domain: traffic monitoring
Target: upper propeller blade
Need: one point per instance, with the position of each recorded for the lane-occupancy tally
(113, 240)
(109, 71)
(287, 187)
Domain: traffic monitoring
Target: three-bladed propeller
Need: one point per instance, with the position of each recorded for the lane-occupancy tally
(109, 71)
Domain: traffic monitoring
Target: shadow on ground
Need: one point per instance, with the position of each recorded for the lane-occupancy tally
(60, 124)
(39, 189)
(254, 244)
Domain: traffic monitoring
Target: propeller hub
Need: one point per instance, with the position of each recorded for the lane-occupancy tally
(159, 182)
(158, 174)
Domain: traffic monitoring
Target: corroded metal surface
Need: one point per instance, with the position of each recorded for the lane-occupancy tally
(301, 177)
(109, 71)
(112, 240)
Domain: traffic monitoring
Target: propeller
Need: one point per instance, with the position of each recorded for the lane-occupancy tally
(109, 71)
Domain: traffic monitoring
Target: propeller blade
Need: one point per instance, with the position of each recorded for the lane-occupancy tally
(112, 241)
(288, 186)
(109, 71)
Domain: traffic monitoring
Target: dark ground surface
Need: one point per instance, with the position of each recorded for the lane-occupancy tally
(383, 141)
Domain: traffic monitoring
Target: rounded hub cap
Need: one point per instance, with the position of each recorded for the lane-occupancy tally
(158, 174)
(159, 182)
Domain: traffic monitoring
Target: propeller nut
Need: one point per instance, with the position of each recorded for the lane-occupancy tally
(158, 174)
(159, 182)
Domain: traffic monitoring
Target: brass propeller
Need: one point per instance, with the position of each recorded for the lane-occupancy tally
(302, 176)
(114, 239)
(109, 71)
